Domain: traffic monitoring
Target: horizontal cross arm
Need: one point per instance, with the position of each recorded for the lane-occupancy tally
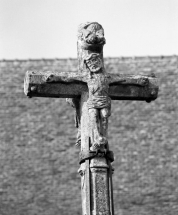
(71, 85)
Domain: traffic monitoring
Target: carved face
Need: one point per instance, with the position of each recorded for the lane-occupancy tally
(92, 33)
(94, 63)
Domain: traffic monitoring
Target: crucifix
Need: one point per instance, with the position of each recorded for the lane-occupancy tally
(90, 91)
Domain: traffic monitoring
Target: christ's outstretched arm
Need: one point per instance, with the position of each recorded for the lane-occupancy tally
(67, 77)
(139, 80)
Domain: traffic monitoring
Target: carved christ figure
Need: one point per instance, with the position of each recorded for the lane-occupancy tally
(98, 103)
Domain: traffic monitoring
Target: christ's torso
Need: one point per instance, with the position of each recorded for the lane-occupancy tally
(98, 92)
(98, 85)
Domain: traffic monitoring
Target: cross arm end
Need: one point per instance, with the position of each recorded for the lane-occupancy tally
(135, 87)
(53, 84)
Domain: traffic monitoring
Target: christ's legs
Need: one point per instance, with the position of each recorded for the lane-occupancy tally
(104, 115)
(94, 127)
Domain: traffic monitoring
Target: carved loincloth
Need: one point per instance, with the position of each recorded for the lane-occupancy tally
(99, 102)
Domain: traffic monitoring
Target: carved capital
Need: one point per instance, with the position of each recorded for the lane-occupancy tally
(91, 33)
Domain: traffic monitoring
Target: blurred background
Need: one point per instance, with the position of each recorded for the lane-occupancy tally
(38, 157)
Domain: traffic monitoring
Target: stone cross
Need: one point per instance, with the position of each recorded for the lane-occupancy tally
(90, 91)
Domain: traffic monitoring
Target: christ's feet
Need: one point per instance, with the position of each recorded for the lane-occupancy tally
(99, 144)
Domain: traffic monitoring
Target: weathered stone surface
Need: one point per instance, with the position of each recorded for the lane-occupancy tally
(36, 86)
(90, 59)
(100, 191)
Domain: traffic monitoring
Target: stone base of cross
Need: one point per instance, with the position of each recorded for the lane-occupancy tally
(90, 91)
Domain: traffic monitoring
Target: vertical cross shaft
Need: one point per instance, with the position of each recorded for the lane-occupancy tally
(96, 173)
(95, 169)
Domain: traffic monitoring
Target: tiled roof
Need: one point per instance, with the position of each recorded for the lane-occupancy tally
(39, 162)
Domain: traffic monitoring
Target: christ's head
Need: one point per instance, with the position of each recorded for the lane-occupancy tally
(93, 62)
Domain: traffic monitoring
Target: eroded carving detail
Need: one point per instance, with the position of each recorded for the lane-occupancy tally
(91, 33)
(75, 103)
(99, 103)
(81, 171)
(101, 195)
(99, 169)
